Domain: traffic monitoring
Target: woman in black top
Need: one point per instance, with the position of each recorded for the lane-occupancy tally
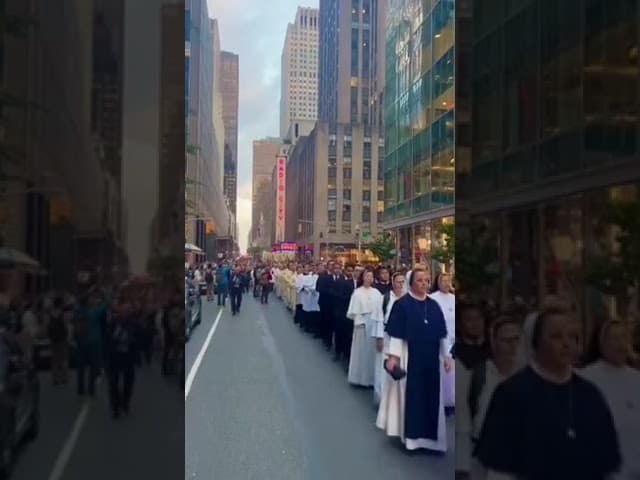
(545, 422)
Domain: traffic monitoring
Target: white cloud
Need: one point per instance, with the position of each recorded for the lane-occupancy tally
(244, 222)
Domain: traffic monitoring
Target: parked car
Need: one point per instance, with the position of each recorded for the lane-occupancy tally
(19, 401)
(192, 309)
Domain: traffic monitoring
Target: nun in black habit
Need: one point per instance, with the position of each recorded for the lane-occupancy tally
(417, 344)
(546, 422)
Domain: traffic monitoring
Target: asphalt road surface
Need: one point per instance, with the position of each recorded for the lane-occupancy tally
(267, 402)
(79, 440)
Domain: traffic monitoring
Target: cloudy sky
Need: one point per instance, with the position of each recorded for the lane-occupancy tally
(255, 30)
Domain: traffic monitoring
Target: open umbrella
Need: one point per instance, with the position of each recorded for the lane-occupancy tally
(11, 259)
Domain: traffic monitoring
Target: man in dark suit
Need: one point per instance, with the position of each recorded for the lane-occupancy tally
(325, 301)
(343, 287)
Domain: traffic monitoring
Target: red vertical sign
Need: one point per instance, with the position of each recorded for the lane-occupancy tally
(281, 182)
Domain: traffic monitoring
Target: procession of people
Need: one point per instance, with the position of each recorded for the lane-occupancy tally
(389, 334)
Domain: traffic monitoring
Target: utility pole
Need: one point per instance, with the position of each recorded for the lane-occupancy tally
(359, 235)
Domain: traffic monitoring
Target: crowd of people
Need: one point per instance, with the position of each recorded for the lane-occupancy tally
(103, 333)
(392, 331)
(538, 402)
(535, 398)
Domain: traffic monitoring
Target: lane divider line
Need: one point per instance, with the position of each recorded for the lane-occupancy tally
(198, 361)
(70, 444)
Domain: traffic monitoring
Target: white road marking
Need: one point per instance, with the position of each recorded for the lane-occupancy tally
(203, 350)
(69, 445)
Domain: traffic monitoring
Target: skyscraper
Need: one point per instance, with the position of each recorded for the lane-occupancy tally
(264, 159)
(419, 125)
(299, 79)
(204, 198)
(339, 160)
(229, 70)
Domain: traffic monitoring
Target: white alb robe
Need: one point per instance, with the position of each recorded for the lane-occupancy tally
(380, 373)
(309, 296)
(365, 309)
(299, 285)
(621, 389)
(447, 302)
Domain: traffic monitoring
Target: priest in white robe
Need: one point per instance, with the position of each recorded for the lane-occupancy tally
(382, 339)
(365, 309)
(441, 293)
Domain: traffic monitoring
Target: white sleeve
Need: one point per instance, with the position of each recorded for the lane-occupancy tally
(377, 319)
(444, 348)
(350, 312)
(378, 330)
(395, 347)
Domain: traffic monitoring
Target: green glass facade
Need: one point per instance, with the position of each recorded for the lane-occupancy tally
(555, 139)
(419, 109)
(419, 122)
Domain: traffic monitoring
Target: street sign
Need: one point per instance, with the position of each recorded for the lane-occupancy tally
(366, 234)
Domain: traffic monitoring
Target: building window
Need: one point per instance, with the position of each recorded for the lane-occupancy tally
(331, 204)
(367, 150)
(346, 213)
(346, 173)
(346, 160)
(331, 215)
(366, 214)
(354, 52)
(333, 193)
(366, 170)
(346, 194)
(331, 172)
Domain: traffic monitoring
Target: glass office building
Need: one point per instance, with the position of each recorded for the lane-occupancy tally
(419, 116)
(555, 137)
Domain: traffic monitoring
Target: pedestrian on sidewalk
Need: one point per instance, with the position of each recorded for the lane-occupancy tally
(122, 359)
(223, 275)
(89, 330)
(59, 340)
(208, 278)
(266, 283)
(236, 287)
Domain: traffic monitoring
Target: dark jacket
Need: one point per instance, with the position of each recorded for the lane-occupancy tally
(343, 288)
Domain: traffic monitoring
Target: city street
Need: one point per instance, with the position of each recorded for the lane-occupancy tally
(79, 440)
(268, 403)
